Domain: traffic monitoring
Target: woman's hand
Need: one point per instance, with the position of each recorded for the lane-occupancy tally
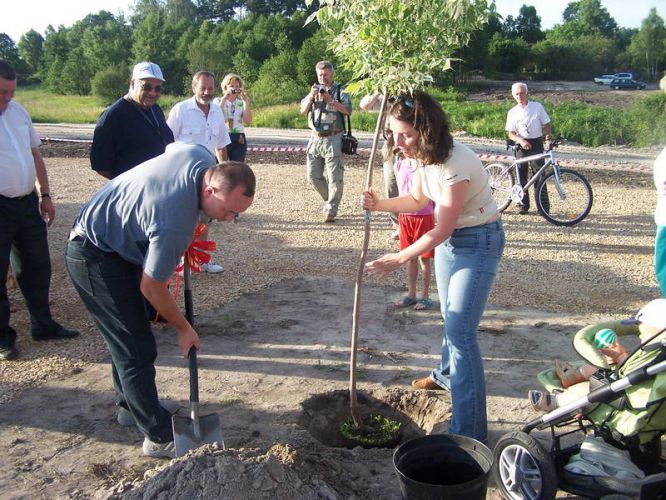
(383, 265)
(369, 200)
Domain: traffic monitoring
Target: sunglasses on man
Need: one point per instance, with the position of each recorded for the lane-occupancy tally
(147, 87)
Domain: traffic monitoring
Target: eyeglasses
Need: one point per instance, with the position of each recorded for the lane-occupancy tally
(403, 98)
(147, 87)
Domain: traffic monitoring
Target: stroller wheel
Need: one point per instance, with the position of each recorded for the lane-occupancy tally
(523, 469)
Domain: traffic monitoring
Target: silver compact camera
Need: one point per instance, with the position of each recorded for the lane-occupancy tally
(321, 88)
(236, 91)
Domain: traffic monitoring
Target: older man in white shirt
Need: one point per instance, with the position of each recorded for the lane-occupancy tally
(528, 125)
(24, 215)
(198, 121)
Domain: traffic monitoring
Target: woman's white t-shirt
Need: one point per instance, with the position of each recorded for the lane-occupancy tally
(462, 165)
(233, 114)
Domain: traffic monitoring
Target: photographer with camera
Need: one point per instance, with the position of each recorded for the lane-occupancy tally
(328, 105)
(235, 106)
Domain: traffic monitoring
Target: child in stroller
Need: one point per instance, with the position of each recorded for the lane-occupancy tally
(621, 408)
(647, 325)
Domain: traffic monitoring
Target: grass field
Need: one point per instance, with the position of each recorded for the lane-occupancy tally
(587, 124)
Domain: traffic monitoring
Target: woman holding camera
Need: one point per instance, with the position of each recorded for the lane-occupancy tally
(235, 105)
(468, 239)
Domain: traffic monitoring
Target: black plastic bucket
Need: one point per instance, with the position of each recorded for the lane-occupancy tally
(439, 467)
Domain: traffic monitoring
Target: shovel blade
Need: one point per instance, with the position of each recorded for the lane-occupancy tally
(187, 438)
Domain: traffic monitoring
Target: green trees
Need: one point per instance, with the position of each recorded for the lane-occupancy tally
(31, 50)
(184, 36)
(647, 50)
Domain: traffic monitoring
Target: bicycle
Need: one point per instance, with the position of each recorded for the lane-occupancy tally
(570, 199)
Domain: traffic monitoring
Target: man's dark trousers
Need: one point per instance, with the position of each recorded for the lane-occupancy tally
(23, 241)
(109, 287)
(537, 147)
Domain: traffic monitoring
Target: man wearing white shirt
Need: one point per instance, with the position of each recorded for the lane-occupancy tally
(24, 215)
(527, 124)
(198, 121)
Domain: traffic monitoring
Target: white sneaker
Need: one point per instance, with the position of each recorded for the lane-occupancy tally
(126, 419)
(211, 268)
(158, 450)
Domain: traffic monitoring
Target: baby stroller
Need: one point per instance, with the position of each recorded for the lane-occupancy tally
(620, 412)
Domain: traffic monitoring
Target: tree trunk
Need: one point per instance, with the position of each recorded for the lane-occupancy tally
(353, 399)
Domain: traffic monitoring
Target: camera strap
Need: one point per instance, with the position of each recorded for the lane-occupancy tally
(346, 126)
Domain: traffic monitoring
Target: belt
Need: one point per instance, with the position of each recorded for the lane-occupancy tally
(17, 198)
(327, 134)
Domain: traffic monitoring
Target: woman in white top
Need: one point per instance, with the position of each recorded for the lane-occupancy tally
(468, 239)
(235, 105)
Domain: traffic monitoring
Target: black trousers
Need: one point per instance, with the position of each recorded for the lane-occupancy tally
(109, 287)
(523, 175)
(23, 241)
(237, 150)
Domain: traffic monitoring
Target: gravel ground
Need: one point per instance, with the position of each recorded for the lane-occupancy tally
(551, 275)
(602, 266)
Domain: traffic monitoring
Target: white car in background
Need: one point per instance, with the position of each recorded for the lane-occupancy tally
(607, 79)
(604, 79)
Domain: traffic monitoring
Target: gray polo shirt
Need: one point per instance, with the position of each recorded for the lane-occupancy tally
(148, 214)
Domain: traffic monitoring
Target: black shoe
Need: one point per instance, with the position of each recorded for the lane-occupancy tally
(522, 209)
(8, 353)
(62, 333)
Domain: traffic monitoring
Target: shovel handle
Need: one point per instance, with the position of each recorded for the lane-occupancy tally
(194, 375)
(187, 295)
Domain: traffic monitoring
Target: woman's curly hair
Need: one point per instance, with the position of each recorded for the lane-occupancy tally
(426, 115)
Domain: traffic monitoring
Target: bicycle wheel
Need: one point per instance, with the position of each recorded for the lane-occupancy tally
(501, 182)
(567, 202)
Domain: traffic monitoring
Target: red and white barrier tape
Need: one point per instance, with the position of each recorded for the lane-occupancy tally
(485, 157)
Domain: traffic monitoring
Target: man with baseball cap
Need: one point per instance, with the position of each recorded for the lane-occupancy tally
(133, 129)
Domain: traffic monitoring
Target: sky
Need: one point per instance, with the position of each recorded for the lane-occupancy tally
(38, 14)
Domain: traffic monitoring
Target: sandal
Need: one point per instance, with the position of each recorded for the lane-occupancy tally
(423, 305)
(568, 374)
(542, 401)
(405, 301)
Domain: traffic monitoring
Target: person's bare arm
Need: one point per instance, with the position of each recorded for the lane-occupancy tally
(370, 101)
(46, 207)
(247, 112)
(158, 295)
(308, 100)
(524, 143)
(221, 154)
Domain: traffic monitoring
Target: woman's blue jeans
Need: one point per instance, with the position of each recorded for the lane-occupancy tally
(465, 268)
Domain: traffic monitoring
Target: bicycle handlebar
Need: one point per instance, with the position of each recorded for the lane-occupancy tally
(553, 144)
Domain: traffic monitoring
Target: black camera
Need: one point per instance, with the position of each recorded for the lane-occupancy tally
(235, 91)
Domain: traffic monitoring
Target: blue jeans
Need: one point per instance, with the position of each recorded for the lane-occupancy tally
(660, 258)
(109, 288)
(465, 268)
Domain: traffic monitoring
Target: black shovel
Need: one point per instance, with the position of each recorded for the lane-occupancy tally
(195, 431)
